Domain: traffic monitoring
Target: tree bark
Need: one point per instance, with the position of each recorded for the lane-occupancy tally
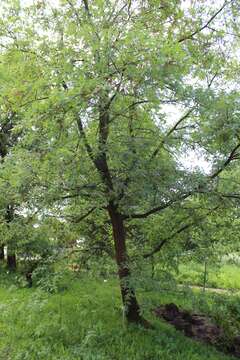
(11, 262)
(152, 267)
(11, 256)
(131, 306)
(205, 276)
(1, 252)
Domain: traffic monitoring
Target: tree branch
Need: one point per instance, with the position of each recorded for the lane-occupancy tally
(157, 208)
(101, 158)
(164, 241)
(233, 156)
(190, 36)
(78, 219)
(84, 137)
(75, 11)
(175, 126)
(177, 232)
(86, 6)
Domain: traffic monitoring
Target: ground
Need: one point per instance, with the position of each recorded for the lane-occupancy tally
(85, 321)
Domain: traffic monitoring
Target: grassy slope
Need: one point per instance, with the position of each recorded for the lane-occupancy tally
(85, 322)
(225, 277)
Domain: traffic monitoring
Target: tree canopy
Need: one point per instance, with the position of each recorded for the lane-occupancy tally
(100, 102)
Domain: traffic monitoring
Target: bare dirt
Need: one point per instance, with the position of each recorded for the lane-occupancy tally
(199, 327)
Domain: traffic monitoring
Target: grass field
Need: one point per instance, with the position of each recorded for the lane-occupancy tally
(85, 322)
(225, 277)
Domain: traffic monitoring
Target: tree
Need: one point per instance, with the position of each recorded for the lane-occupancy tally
(6, 142)
(95, 95)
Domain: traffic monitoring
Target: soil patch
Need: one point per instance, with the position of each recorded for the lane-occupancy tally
(199, 327)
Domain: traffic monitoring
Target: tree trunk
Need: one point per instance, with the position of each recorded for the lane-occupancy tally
(11, 262)
(131, 306)
(152, 266)
(205, 276)
(11, 256)
(1, 252)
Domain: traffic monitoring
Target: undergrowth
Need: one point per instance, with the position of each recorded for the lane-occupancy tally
(85, 322)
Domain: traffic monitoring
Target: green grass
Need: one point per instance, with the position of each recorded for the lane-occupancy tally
(225, 277)
(85, 322)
